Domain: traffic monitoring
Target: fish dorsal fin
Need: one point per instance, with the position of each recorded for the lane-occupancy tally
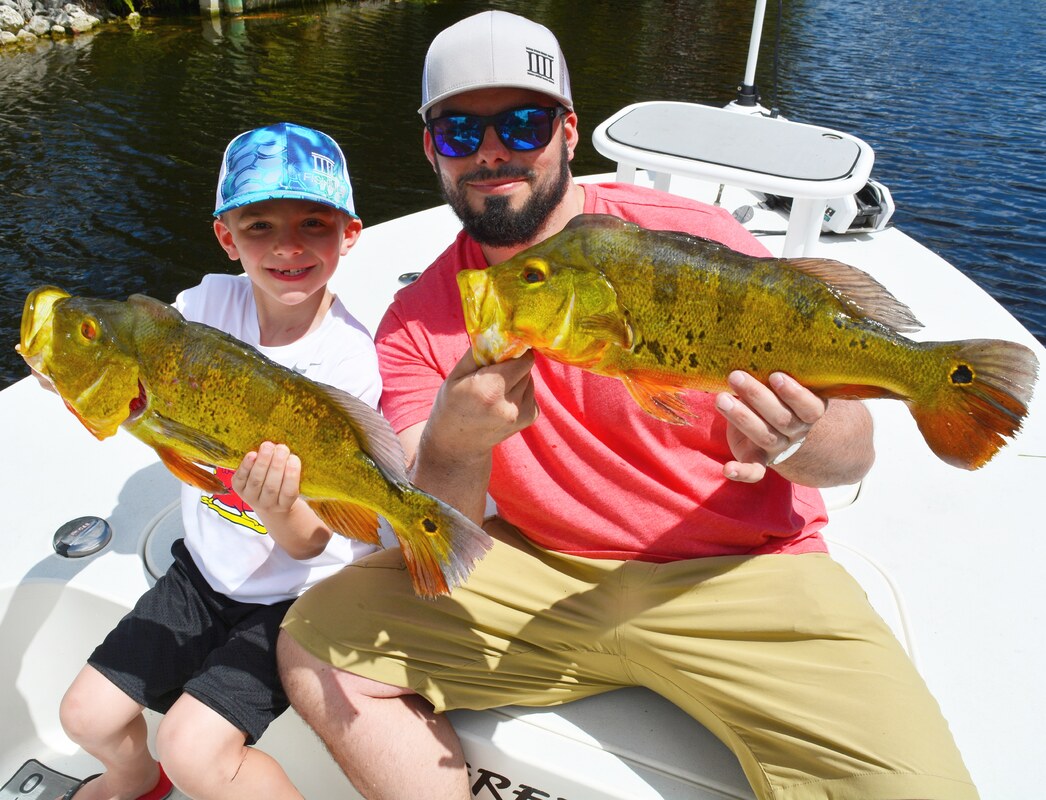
(599, 222)
(375, 435)
(862, 294)
(153, 307)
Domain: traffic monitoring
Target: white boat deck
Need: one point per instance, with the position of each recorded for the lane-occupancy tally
(952, 559)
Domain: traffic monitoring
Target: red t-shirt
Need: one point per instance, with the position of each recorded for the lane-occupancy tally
(596, 476)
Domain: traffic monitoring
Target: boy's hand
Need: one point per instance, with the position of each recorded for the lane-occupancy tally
(269, 480)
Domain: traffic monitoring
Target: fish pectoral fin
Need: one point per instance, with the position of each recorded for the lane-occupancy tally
(614, 328)
(658, 400)
(191, 473)
(166, 429)
(347, 519)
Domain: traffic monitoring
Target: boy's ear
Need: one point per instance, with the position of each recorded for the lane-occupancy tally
(352, 232)
(224, 236)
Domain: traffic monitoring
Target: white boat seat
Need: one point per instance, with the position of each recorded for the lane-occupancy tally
(808, 163)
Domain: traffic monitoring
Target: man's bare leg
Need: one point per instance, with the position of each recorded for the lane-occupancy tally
(386, 739)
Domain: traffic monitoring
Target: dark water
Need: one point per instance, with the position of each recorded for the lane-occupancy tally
(109, 144)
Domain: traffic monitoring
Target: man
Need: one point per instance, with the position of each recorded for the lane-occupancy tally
(628, 552)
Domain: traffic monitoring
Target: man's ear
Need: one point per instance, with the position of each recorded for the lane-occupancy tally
(430, 151)
(570, 133)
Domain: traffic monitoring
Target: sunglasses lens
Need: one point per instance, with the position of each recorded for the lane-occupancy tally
(457, 136)
(521, 129)
(526, 128)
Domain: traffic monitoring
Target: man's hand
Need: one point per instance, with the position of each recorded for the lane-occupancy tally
(476, 408)
(766, 419)
(479, 407)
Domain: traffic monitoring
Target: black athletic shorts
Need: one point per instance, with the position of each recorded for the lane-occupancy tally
(182, 636)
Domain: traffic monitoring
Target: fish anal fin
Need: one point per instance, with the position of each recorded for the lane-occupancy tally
(665, 402)
(348, 519)
(855, 391)
(862, 295)
(193, 474)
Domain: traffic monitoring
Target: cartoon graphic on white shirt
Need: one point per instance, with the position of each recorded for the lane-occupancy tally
(230, 506)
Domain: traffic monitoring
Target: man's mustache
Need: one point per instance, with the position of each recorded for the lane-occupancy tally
(501, 173)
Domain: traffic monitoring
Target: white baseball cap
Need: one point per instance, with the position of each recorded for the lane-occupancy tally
(494, 49)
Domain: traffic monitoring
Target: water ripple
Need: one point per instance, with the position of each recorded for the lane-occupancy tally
(110, 143)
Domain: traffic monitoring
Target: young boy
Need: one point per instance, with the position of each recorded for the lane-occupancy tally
(199, 645)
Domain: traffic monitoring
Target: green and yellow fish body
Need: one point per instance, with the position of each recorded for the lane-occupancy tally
(666, 312)
(200, 397)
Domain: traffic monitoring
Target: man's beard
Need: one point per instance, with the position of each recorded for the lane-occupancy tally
(497, 225)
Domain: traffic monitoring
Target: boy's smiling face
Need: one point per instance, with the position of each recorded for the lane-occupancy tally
(288, 248)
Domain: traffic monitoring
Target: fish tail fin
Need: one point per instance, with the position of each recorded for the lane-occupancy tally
(440, 544)
(982, 399)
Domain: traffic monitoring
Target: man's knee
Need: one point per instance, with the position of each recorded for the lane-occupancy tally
(307, 678)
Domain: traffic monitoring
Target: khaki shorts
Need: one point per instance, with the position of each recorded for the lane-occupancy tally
(779, 656)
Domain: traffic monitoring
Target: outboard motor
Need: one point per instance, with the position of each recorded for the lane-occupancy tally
(868, 210)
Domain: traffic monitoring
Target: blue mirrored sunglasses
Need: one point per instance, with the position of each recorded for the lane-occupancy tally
(520, 129)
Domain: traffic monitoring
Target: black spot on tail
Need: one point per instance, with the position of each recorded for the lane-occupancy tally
(962, 374)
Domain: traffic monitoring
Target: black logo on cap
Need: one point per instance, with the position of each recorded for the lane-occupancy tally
(540, 65)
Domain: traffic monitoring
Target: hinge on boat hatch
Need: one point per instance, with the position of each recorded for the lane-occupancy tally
(868, 210)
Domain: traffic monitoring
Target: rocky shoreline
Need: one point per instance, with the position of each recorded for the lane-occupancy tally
(26, 21)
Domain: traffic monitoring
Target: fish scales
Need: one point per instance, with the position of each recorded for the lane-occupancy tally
(667, 312)
(702, 317)
(200, 397)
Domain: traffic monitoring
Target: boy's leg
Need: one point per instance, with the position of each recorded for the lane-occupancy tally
(207, 757)
(109, 725)
(142, 663)
(203, 741)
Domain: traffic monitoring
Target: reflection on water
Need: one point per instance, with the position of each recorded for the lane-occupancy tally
(110, 142)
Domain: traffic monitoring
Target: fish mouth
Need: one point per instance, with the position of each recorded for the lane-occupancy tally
(485, 319)
(36, 331)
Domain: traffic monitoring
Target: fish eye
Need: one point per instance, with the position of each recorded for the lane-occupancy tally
(88, 329)
(535, 271)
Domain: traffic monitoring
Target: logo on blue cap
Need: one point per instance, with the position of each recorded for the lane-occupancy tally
(283, 161)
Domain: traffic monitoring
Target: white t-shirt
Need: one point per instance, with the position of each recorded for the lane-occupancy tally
(225, 538)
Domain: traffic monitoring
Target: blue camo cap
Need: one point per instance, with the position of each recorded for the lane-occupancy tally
(283, 162)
